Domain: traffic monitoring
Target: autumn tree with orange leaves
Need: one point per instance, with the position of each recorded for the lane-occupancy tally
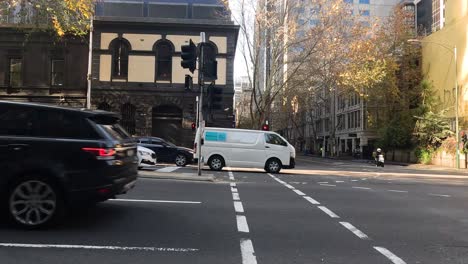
(64, 17)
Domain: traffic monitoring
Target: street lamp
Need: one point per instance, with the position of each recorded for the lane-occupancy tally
(453, 50)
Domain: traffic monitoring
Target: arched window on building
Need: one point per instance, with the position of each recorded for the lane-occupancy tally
(128, 121)
(120, 49)
(164, 51)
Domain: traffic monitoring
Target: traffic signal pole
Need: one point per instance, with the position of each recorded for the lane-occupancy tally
(201, 84)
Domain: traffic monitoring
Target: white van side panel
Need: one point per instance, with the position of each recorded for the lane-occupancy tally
(247, 149)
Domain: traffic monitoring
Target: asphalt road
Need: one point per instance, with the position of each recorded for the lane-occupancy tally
(322, 212)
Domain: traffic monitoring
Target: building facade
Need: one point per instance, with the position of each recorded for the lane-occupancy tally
(136, 64)
(37, 67)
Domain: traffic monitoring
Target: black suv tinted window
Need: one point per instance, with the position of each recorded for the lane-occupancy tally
(274, 139)
(17, 121)
(62, 124)
(145, 141)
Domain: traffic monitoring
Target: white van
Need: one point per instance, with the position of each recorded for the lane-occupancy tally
(245, 148)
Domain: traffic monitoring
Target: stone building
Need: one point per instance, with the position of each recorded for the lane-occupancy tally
(136, 64)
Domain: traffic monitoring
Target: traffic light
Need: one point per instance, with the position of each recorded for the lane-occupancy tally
(266, 127)
(210, 65)
(188, 82)
(215, 98)
(189, 56)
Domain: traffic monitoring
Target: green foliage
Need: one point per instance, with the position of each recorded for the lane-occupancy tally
(397, 133)
(424, 155)
(432, 129)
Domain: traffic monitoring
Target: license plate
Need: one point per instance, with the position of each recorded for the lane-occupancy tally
(130, 153)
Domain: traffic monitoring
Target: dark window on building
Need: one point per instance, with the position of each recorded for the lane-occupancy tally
(57, 72)
(209, 12)
(120, 50)
(17, 121)
(15, 76)
(167, 10)
(164, 61)
(128, 122)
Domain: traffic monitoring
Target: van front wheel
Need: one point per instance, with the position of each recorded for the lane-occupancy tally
(216, 163)
(273, 166)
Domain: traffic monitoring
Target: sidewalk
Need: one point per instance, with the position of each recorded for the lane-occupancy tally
(404, 166)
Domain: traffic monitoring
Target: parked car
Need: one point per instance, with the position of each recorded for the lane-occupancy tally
(222, 147)
(54, 157)
(166, 151)
(146, 157)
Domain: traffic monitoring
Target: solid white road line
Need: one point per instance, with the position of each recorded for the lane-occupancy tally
(98, 247)
(328, 212)
(311, 200)
(231, 175)
(154, 201)
(362, 188)
(339, 181)
(247, 251)
(234, 190)
(299, 192)
(238, 207)
(397, 191)
(242, 225)
(355, 231)
(232, 184)
(289, 186)
(168, 169)
(439, 195)
(235, 196)
(392, 257)
(330, 185)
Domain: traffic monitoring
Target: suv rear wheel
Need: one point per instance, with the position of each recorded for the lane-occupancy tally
(181, 160)
(34, 202)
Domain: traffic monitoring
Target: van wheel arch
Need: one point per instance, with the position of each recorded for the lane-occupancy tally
(273, 165)
(216, 166)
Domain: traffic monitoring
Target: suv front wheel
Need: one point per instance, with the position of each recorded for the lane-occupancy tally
(34, 202)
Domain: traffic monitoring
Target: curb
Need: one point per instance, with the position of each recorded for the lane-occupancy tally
(175, 176)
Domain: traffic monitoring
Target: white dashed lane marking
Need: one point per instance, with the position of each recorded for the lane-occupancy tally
(238, 207)
(392, 257)
(299, 192)
(248, 253)
(355, 231)
(328, 211)
(311, 200)
(362, 188)
(242, 225)
(439, 195)
(235, 196)
(397, 191)
(329, 185)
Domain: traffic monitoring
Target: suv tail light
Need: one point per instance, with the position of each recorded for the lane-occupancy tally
(102, 153)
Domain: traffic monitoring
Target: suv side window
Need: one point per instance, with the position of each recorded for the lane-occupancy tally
(145, 141)
(156, 141)
(60, 124)
(17, 120)
(274, 139)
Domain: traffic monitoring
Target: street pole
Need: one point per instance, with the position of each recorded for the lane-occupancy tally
(200, 103)
(456, 107)
(90, 58)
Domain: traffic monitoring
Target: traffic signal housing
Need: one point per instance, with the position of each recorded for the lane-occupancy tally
(189, 56)
(188, 82)
(215, 98)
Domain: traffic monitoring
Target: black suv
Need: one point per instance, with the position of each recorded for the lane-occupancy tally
(54, 157)
(166, 151)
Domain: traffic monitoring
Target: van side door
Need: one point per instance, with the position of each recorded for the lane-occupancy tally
(276, 147)
(247, 149)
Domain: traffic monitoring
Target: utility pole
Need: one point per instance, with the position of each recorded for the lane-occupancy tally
(201, 84)
(90, 63)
